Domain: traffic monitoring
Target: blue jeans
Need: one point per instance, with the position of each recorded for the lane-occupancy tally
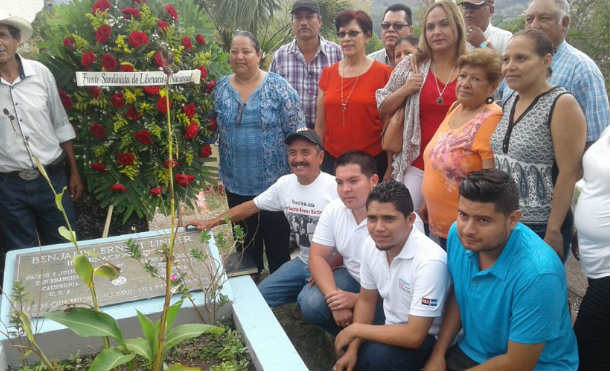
(28, 207)
(284, 285)
(378, 356)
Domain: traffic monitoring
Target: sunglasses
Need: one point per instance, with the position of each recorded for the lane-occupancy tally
(396, 26)
(470, 6)
(352, 34)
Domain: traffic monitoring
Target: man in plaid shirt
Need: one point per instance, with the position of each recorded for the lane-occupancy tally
(301, 61)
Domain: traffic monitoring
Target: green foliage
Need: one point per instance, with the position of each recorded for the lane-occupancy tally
(86, 322)
(83, 268)
(67, 33)
(374, 44)
(229, 349)
(110, 358)
(513, 25)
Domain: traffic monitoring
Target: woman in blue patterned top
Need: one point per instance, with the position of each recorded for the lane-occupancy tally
(256, 111)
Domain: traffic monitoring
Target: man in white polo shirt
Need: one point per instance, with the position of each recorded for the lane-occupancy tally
(339, 236)
(409, 272)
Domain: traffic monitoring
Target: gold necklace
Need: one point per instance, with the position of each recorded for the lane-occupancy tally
(440, 92)
(344, 104)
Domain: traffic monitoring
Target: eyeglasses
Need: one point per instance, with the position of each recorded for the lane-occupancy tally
(352, 34)
(396, 26)
(470, 6)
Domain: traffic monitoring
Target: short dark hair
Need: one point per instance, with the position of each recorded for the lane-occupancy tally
(398, 8)
(542, 44)
(250, 36)
(491, 185)
(364, 20)
(392, 192)
(368, 165)
(411, 39)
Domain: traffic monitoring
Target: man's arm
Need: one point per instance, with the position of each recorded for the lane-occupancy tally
(76, 184)
(449, 328)
(235, 214)
(517, 357)
(410, 335)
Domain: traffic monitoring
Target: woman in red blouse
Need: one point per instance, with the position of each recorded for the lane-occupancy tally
(347, 116)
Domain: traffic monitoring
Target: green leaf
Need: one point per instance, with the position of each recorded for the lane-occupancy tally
(86, 322)
(149, 330)
(110, 358)
(184, 332)
(58, 198)
(179, 366)
(83, 267)
(27, 326)
(107, 270)
(66, 234)
(171, 314)
(140, 347)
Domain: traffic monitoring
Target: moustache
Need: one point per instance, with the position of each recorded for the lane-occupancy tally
(295, 164)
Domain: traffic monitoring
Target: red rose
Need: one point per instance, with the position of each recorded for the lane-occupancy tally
(137, 38)
(204, 72)
(186, 42)
(98, 166)
(162, 25)
(103, 33)
(211, 86)
(125, 158)
(88, 59)
(200, 39)
(171, 12)
(132, 114)
(160, 60)
(143, 137)
(213, 124)
(162, 105)
(131, 13)
(65, 99)
(117, 100)
(98, 130)
(118, 187)
(152, 89)
(185, 179)
(156, 191)
(166, 164)
(109, 63)
(94, 91)
(124, 67)
(189, 110)
(191, 131)
(206, 151)
(100, 6)
(69, 43)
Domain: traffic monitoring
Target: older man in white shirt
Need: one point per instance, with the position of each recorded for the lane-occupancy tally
(480, 33)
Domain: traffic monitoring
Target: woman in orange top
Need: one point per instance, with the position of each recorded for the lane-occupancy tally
(347, 115)
(461, 143)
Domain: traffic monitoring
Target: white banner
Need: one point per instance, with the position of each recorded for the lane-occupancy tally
(86, 78)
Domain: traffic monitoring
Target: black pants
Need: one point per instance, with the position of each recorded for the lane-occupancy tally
(328, 166)
(592, 326)
(456, 360)
(266, 229)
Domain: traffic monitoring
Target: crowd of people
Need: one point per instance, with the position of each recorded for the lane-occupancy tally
(428, 185)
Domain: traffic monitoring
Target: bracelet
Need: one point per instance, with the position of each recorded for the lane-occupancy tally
(484, 44)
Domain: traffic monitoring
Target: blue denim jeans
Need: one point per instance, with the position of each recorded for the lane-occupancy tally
(315, 310)
(378, 356)
(284, 285)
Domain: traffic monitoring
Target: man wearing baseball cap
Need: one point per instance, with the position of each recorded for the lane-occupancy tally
(302, 196)
(480, 33)
(33, 126)
(302, 60)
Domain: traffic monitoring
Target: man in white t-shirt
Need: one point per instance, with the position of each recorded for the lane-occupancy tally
(409, 272)
(338, 237)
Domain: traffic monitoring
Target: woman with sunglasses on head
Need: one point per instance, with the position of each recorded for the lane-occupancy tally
(256, 111)
(424, 86)
(540, 139)
(347, 117)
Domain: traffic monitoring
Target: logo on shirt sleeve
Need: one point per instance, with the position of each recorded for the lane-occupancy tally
(429, 302)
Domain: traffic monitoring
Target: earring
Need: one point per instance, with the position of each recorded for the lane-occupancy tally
(489, 100)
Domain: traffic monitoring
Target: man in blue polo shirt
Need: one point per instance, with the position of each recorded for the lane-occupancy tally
(510, 290)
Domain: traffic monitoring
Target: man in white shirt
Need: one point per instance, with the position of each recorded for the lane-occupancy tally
(396, 24)
(339, 236)
(33, 126)
(409, 272)
(480, 33)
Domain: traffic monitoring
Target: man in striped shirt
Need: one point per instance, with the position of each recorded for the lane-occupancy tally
(302, 60)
